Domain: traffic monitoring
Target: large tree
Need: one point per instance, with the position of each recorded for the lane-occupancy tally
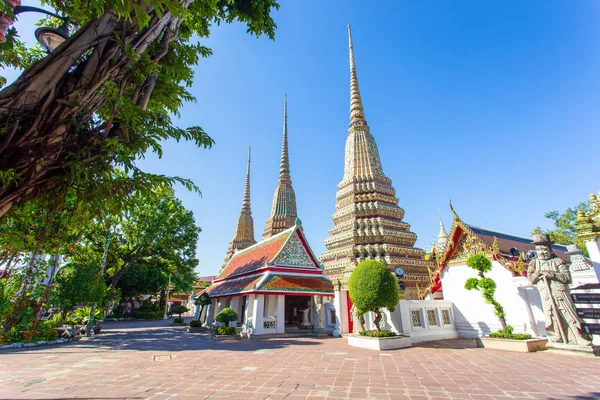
(564, 231)
(106, 95)
(155, 237)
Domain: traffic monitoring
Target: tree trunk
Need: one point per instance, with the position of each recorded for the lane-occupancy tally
(377, 318)
(47, 114)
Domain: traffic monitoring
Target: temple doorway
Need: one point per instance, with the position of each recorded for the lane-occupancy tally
(294, 313)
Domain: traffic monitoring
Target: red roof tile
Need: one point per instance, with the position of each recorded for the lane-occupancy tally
(233, 286)
(256, 256)
(291, 283)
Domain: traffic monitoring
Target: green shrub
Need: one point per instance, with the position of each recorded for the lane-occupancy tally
(226, 315)
(180, 309)
(178, 321)
(45, 331)
(507, 333)
(195, 324)
(481, 264)
(149, 315)
(372, 286)
(375, 333)
(225, 330)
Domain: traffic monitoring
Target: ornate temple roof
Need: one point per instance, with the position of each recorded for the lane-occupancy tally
(283, 263)
(466, 240)
(368, 221)
(283, 211)
(244, 230)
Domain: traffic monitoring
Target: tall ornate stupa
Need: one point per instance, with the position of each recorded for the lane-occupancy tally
(367, 221)
(244, 230)
(283, 211)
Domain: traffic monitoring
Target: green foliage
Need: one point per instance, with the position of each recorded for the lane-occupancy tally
(225, 330)
(180, 309)
(81, 316)
(372, 286)
(507, 333)
(481, 264)
(564, 231)
(226, 315)
(471, 283)
(203, 300)
(376, 333)
(195, 324)
(149, 315)
(19, 334)
(178, 321)
(152, 239)
(78, 284)
(141, 71)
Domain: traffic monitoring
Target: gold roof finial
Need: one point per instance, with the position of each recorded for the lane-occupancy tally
(246, 201)
(283, 210)
(284, 166)
(357, 113)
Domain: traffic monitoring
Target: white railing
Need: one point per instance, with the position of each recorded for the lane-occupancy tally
(425, 320)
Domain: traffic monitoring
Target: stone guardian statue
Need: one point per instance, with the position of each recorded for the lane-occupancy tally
(552, 277)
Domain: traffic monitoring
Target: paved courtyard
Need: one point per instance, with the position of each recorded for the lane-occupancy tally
(139, 361)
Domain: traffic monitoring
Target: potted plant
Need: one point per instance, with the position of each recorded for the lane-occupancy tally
(372, 287)
(503, 339)
(180, 309)
(226, 316)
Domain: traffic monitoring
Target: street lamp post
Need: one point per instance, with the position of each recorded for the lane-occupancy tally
(167, 298)
(49, 38)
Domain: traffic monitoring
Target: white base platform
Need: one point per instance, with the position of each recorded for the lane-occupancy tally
(388, 343)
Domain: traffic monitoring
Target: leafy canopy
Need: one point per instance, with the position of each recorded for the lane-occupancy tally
(564, 231)
(372, 286)
(150, 241)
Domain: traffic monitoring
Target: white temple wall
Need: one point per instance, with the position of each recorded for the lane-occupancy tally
(340, 302)
(474, 318)
(593, 248)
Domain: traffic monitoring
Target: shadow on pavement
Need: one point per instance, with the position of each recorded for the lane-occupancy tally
(162, 338)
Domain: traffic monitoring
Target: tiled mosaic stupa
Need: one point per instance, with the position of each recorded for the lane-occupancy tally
(368, 221)
(283, 211)
(244, 230)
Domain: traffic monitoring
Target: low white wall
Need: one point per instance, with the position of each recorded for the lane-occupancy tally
(426, 320)
(474, 318)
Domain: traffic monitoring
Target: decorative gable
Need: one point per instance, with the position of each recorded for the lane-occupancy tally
(294, 253)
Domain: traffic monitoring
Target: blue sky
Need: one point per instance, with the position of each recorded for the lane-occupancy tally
(492, 105)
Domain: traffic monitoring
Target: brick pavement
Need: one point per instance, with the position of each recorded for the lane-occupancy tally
(167, 363)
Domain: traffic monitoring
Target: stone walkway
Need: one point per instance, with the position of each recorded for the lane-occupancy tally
(139, 361)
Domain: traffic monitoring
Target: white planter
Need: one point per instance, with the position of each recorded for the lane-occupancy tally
(386, 343)
(523, 346)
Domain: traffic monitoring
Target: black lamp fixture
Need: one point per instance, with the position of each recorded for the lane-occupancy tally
(49, 38)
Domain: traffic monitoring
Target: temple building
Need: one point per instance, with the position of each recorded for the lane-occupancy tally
(275, 286)
(368, 221)
(244, 230)
(510, 255)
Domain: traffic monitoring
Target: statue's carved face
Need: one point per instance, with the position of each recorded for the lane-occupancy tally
(543, 252)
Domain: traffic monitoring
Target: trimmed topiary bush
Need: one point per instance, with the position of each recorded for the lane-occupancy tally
(372, 286)
(375, 333)
(180, 309)
(481, 264)
(149, 315)
(178, 321)
(195, 324)
(226, 315)
(225, 330)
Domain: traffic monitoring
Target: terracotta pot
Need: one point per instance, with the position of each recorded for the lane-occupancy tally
(14, 3)
(5, 23)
